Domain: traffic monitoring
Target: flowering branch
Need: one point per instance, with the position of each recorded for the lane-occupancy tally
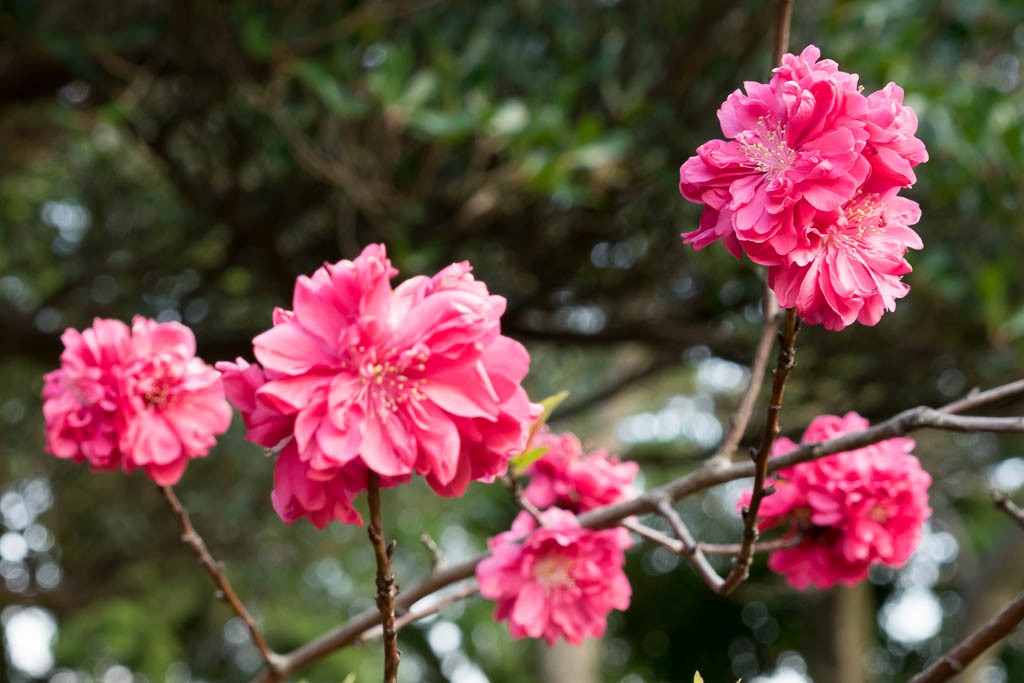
(702, 479)
(215, 569)
(784, 365)
(745, 409)
(954, 661)
(385, 579)
(1003, 502)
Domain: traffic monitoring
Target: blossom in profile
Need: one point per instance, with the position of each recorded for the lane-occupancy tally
(359, 377)
(852, 265)
(850, 510)
(136, 398)
(567, 478)
(559, 580)
(83, 399)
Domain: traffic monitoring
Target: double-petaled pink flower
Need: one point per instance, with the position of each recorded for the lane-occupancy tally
(133, 398)
(850, 510)
(559, 580)
(804, 152)
(360, 378)
(567, 478)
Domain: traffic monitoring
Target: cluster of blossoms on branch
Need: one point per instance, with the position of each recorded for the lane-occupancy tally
(850, 510)
(363, 385)
(561, 580)
(807, 185)
(133, 398)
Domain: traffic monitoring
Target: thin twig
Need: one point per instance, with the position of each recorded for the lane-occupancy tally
(901, 424)
(783, 366)
(1003, 502)
(215, 569)
(978, 398)
(760, 547)
(385, 580)
(412, 617)
(436, 554)
(954, 661)
(741, 418)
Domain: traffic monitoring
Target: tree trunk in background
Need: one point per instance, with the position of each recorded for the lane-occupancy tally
(840, 626)
(563, 663)
(997, 583)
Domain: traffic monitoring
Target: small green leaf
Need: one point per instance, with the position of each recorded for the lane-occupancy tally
(351, 678)
(549, 404)
(697, 678)
(527, 458)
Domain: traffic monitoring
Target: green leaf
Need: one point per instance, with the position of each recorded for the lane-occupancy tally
(549, 404)
(527, 458)
(697, 678)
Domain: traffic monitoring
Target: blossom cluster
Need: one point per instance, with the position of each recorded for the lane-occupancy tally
(850, 510)
(561, 580)
(133, 398)
(806, 184)
(360, 378)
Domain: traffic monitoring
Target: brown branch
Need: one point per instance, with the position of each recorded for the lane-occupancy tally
(385, 580)
(783, 366)
(704, 478)
(741, 418)
(215, 569)
(978, 398)
(412, 617)
(1003, 502)
(785, 18)
(954, 661)
(760, 547)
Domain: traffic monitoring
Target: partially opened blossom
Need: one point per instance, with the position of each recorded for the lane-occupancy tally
(850, 510)
(361, 378)
(134, 399)
(852, 265)
(559, 580)
(567, 478)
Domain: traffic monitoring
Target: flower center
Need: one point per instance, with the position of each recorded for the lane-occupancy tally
(766, 148)
(158, 381)
(390, 380)
(553, 572)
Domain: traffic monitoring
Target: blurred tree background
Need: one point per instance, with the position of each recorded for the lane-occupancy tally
(186, 160)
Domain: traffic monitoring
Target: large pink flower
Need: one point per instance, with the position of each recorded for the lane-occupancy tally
(134, 399)
(851, 509)
(804, 144)
(559, 581)
(366, 378)
(566, 478)
(852, 265)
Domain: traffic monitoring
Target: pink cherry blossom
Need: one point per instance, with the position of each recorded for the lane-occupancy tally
(799, 149)
(363, 377)
(134, 399)
(852, 265)
(851, 509)
(566, 478)
(559, 581)
(795, 148)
